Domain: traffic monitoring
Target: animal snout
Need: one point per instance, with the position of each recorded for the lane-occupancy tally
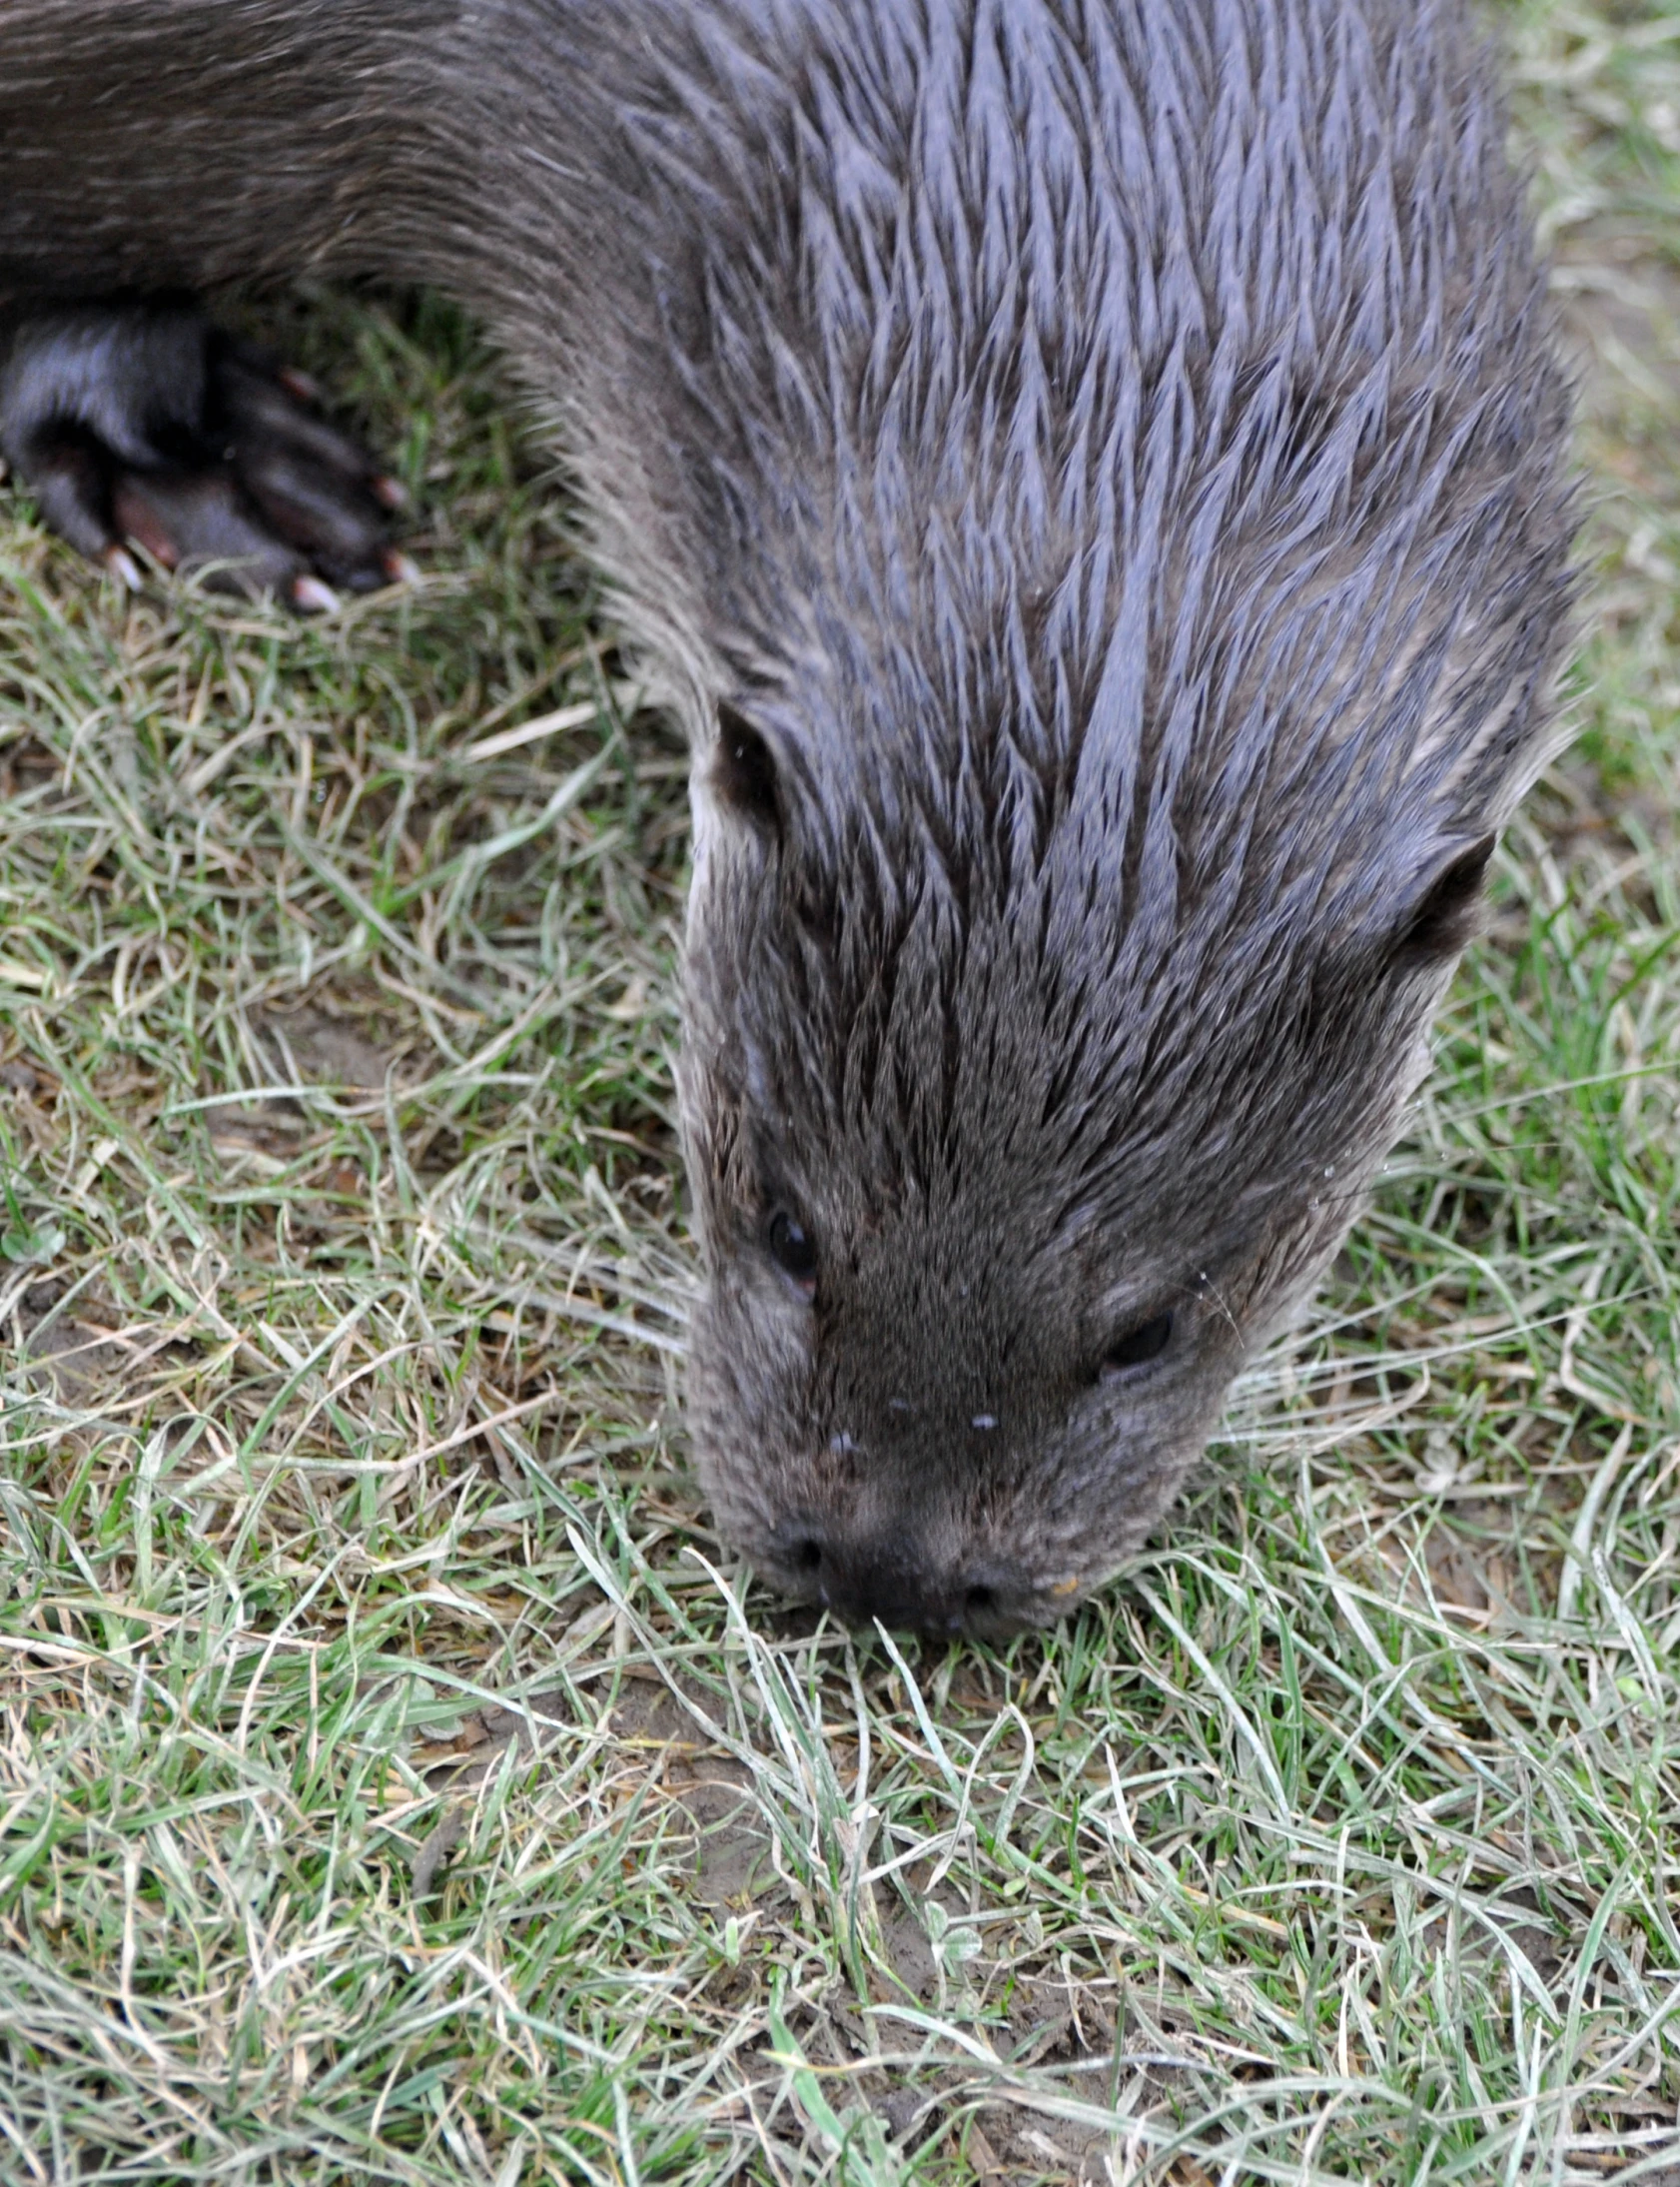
(864, 1581)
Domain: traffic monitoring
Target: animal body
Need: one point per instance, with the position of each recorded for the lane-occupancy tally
(1090, 475)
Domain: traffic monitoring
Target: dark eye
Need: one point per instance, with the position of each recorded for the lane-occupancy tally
(793, 1250)
(1137, 1348)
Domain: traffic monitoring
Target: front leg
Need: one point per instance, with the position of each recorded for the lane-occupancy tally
(143, 423)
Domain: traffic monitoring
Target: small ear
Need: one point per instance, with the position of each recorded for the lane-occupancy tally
(1443, 918)
(745, 772)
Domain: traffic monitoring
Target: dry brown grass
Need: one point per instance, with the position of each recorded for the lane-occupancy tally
(397, 1782)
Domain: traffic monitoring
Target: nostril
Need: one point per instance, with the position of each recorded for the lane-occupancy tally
(980, 1601)
(805, 1555)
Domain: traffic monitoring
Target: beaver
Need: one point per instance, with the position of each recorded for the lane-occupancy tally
(1090, 478)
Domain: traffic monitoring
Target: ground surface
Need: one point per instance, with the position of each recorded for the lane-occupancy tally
(397, 1783)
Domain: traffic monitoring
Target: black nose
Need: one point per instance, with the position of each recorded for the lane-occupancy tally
(863, 1581)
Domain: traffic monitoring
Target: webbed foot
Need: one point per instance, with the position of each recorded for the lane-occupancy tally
(143, 425)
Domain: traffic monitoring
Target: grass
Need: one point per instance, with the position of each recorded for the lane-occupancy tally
(398, 1784)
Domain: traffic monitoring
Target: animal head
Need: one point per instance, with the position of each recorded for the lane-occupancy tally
(1025, 1087)
(1124, 536)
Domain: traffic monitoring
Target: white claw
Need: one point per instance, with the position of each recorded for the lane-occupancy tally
(123, 567)
(389, 491)
(299, 383)
(399, 570)
(314, 597)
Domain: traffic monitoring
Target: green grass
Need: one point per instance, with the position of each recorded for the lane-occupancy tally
(397, 1779)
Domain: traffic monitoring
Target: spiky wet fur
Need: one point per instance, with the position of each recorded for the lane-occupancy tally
(1110, 458)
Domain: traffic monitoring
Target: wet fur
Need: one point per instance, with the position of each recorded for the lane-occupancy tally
(1108, 460)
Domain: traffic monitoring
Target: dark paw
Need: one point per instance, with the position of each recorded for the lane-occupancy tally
(143, 425)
